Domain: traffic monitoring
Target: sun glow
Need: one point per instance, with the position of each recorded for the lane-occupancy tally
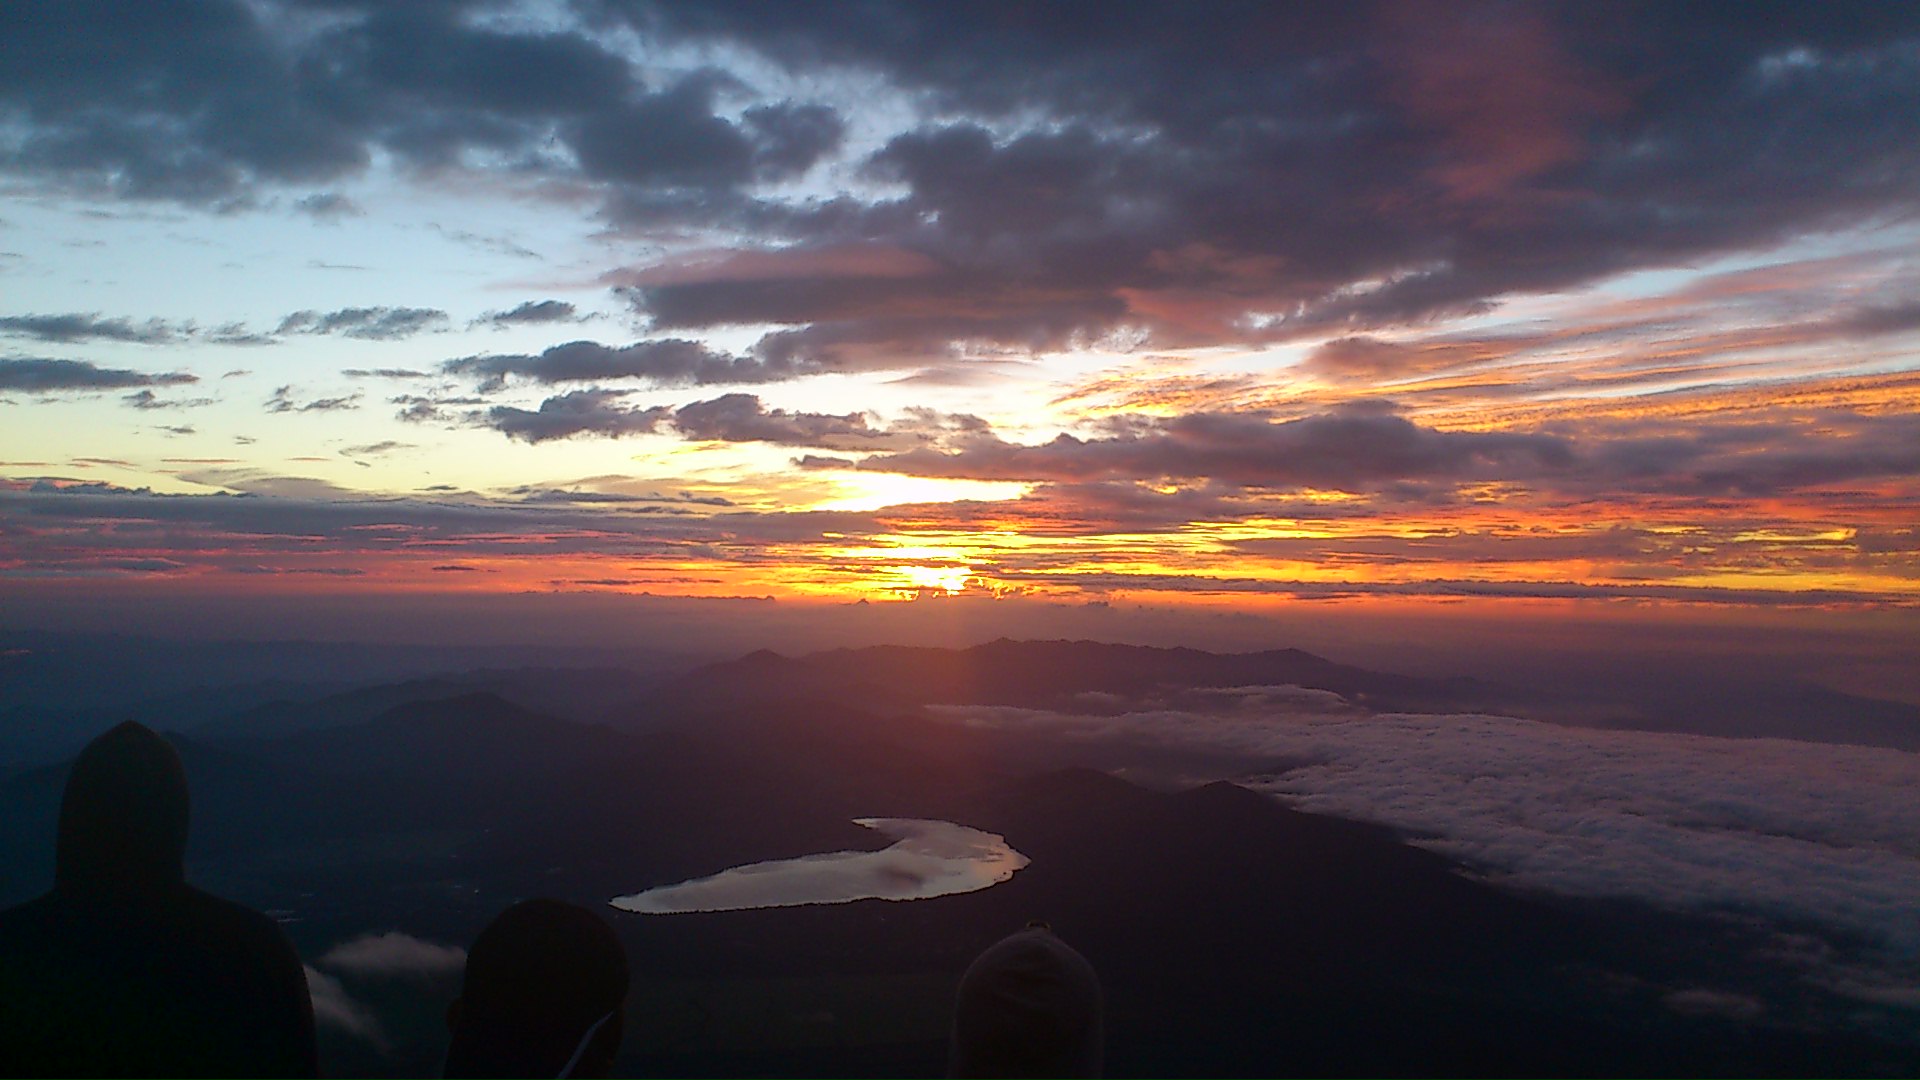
(871, 491)
(947, 579)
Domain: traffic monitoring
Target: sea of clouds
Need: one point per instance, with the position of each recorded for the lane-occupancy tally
(1790, 831)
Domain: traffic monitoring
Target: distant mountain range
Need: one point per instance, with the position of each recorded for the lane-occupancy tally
(1067, 676)
(1235, 936)
(1101, 678)
(1070, 676)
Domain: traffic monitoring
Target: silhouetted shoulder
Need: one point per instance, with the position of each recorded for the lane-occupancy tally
(188, 984)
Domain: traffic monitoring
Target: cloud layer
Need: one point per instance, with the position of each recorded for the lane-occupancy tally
(1064, 174)
(1789, 830)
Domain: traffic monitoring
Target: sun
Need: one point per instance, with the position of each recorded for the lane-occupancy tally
(947, 579)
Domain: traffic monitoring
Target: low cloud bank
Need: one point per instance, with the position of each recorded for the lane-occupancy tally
(355, 994)
(335, 1008)
(394, 954)
(1783, 829)
(930, 858)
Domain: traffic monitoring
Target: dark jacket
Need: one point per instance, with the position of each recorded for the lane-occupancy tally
(124, 969)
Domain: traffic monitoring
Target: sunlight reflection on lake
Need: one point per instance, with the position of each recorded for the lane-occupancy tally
(928, 859)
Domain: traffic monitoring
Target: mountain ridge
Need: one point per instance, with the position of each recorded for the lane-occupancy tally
(1056, 674)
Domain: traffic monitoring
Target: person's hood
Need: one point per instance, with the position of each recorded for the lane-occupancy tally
(1028, 1006)
(123, 820)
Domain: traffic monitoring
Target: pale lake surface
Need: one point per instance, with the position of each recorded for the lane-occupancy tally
(927, 859)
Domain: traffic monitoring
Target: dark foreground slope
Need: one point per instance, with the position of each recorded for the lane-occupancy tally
(1234, 935)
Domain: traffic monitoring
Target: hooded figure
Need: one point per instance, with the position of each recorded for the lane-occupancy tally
(543, 995)
(126, 970)
(1028, 1006)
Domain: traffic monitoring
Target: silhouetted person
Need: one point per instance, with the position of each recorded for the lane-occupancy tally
(544, 990)
(1028, 1006)
(126, 970)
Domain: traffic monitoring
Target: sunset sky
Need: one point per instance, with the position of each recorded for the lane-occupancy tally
(1197, 306)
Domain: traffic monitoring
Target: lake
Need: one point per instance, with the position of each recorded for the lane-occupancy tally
(927, 859)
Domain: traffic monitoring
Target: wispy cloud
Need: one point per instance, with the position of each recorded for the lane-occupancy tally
(365, 323)
(663, 362)
(283, 401)
(40, 375)
(71, 328)
(531, 313)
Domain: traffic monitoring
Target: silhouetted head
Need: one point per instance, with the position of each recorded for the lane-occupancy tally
(1028, 1006)
(123, 820)
(544, 989)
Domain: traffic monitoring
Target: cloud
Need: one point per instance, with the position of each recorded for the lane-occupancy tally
(383, 373)
(1504, 101)
(674, 139)
(790, 137)
(235, 334)
(335, 1008)
(365, 323)
(68, 329)
(1104, 581)
(420, 408)
(574, 495)
(1368, 448)
(530, 313)
(385, 446)
(742, 418)
(727, 418)
(663, 362)
(1795, 830)
(147, 399)
(328, 206)
(40, 375)
(579, 412)
(1439, 180)
(1235, 179)
(860, 261)
(1699, 1001)
(282, 401)
(885, 323)
(59, 524)
(1352, 449)
(395, 955)
(322, 571)
(1882, 319)
(1361, 357)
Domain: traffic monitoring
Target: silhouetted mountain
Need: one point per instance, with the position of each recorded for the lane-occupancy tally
(241, 804)
(59, 690)
(46, 732)
(1782, 711)
(571, 693)
(1096, 677)
(1062, 675)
